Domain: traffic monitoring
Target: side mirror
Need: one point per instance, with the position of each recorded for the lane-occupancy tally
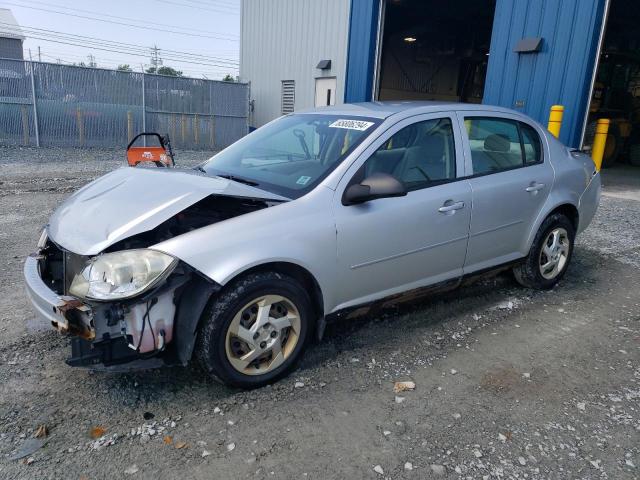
(377, 185)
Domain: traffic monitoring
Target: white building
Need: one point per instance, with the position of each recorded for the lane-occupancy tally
(11, 36)
(297, 48)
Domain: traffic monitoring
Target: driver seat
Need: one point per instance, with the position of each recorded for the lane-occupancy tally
(428, 159)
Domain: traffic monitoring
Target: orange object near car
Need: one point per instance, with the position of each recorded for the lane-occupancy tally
(161, 156)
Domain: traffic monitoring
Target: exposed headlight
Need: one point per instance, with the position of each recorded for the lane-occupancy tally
(119, 275)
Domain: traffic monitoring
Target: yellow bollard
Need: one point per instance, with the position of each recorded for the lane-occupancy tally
(599, 142)
(555, 120)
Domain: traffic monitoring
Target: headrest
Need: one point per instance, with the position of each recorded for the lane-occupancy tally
(497, 143)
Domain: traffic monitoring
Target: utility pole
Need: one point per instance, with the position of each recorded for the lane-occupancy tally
(39, 54)
(30, 58)
(156, 60)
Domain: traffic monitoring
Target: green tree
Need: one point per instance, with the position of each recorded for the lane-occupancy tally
(164, 70)
(228, 78)
(125, 67)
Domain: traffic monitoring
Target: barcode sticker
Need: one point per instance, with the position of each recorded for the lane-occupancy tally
(360, 125)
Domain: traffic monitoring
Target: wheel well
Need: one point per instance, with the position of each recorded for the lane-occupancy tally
(569, 211)
(298, 273)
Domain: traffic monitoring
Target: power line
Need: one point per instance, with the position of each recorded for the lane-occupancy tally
(127, 53)
(122, 23)
(190, 73)
(197, 7)
(91, 41)
(57, 55)
(230, 5)
(189, 29)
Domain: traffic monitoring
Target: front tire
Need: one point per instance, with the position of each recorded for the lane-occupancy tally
(255, 331)
(549, 256)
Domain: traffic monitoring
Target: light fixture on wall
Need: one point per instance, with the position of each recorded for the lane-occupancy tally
(410, 39)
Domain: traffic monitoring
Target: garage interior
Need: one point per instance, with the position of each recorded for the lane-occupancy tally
(616, 92)
(434, 50)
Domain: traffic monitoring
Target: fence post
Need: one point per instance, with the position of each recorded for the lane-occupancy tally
(129, 125)
(35, 107)
(183, 128)
(212, 123)
(80, 125)
(172, 127)
(25, 125)
(196, 129)
(144, 111)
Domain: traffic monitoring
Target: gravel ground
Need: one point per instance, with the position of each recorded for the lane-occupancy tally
(510, 383)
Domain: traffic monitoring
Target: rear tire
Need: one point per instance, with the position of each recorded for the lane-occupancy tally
(255, 331)
(549, 256)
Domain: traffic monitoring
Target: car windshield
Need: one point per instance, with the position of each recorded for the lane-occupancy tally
(291, 155)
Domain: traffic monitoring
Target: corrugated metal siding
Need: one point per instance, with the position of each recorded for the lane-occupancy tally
(560, 73)
(363, 32)
(285, 40)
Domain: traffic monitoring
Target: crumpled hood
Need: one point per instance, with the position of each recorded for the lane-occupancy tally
(129, 201)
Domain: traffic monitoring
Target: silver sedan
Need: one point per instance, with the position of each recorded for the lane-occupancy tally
(241, 261)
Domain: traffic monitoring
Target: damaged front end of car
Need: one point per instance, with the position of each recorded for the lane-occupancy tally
(129, 306)
(113, 325)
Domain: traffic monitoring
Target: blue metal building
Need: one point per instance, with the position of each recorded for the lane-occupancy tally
(541, 53)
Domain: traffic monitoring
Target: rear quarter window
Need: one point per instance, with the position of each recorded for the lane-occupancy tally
(531, 144)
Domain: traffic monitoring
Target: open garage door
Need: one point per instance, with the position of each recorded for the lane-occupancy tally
(616, 89)
(434, 50)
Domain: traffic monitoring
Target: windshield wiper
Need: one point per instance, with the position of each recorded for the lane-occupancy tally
(239, 180)
(200, 169)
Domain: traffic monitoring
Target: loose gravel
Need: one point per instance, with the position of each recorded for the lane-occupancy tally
(509, 383)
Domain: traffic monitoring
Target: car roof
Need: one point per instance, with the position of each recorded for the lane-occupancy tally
(388, 108)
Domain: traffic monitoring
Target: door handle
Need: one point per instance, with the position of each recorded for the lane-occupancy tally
(534, 187)
(450, 207)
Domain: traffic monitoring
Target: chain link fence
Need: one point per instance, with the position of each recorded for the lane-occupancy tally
(46, 104)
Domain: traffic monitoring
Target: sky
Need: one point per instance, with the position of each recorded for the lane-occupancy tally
(198, 37)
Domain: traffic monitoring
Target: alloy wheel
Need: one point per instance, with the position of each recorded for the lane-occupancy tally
(262, 335)
(554, 254)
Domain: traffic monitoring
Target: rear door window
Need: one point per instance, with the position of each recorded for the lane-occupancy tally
(499, 144)
(494, 143)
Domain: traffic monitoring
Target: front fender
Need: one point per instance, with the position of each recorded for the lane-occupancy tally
(301, 232)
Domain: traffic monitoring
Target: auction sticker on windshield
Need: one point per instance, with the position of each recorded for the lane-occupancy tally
(351, 124)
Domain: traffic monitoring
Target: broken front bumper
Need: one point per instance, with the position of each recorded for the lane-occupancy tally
(69, 315)
(66, 314)
(111, 335)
